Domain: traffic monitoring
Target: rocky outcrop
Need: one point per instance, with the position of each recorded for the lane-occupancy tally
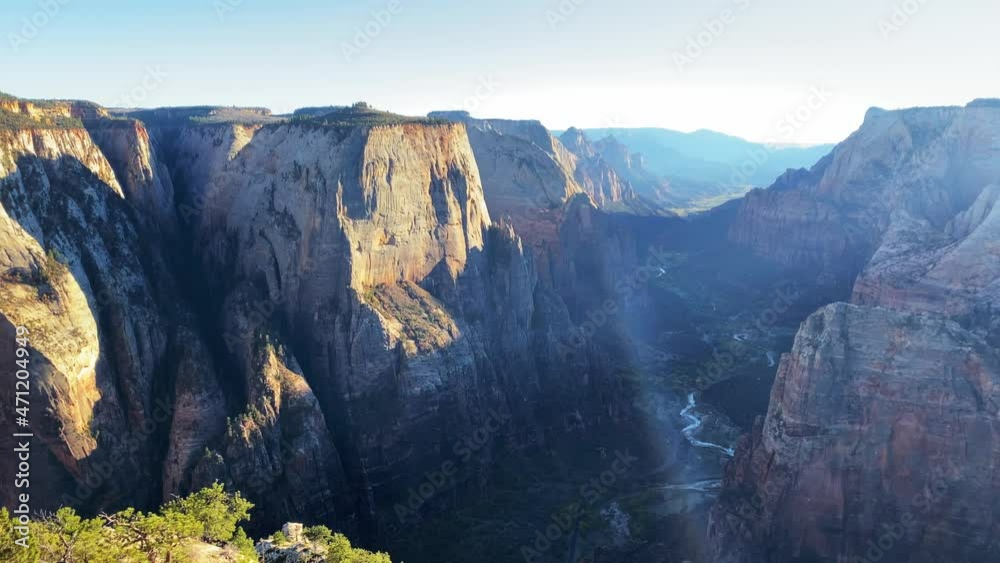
(45, 113)
(316, 313)
(881, 424)
(278, 450)
(594, 174)
(930, 163)
(527, 175)
(144, 179)
(334, 238)
(365, 254)
(107, 328)
(880, 440)
(632, 167)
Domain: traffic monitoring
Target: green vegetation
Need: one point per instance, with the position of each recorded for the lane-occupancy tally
(244, 546)
(113, 121)
(54, 269)
(424, 319)
(10, 551)
(359, 114)
(217, 511)
(10, 121)
(338, 548)
(202, 115)
(706, 203)
(279, 538)
(318, 534)
(208, 516)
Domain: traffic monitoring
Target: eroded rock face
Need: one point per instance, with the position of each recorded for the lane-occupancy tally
(356, 258)
(880, 441)
(366, 255)
(144, 179)
(595, 175)
(528, 176)
(930, 163)
(880, 421)
(632, 167)
(107, 328)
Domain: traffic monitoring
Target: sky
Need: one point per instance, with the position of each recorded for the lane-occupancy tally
(790, 71)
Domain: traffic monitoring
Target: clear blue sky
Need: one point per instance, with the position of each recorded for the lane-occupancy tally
(610, 63)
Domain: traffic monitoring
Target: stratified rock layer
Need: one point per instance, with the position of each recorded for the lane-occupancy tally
(108, 334)
(881, 442)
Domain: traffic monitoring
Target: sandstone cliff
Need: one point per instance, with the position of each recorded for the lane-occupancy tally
(108, 334)
(354, 253)
(527, 175)
(594, 174)
(880, 440)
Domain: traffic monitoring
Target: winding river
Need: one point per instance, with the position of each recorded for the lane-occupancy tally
(695, 422)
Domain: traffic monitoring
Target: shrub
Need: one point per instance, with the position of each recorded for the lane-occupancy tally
(18, 121)
(216, 510)
(131, 535)
(54, 268)
(128, 536)
(244, 547)
(339, 549)
(318, 534)
(279, 538)
(10, 551)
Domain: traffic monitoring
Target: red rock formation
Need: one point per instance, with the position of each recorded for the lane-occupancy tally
(880, 443)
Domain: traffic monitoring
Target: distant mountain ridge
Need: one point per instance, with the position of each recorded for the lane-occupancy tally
(706, 168)
(673, 153)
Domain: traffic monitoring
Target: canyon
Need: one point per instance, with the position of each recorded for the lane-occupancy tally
(429, 332)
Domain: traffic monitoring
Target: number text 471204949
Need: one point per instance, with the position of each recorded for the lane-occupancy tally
(22, 436)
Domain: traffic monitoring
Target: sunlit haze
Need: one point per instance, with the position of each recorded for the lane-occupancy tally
(590, 63)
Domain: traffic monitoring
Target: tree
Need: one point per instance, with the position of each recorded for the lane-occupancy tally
(244, 547)
(318, 534)
(217, 510)
(167, 536)
(10, 551)
(339, 550)
(132, 536)
(152, 537)
(65, 537)
(279, 538)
